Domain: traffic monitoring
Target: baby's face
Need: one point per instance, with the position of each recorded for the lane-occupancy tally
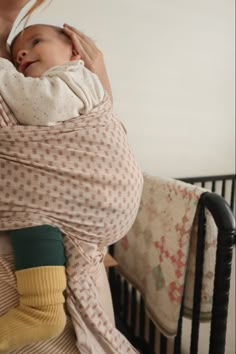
(39, 48)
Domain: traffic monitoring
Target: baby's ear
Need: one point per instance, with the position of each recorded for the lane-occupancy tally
(75, 55)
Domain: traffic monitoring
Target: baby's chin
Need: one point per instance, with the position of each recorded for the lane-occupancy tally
(33, 75)
(34, 70)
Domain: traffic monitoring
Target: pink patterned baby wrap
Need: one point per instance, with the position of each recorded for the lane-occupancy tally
(81, 176)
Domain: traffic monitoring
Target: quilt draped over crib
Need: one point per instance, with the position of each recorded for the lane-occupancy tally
(158, 254)
(75, 175)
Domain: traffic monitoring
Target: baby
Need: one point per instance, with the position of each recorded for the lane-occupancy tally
(51, 85)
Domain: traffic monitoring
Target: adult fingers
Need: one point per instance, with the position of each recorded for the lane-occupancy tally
(74, 36)
(81, 48)
(75, 30)
(88, 41)
(83, 45)
(92, 56)
(76, 40)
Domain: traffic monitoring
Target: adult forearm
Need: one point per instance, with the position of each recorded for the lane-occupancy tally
(8, 7)
(5, 27)
(8, 12)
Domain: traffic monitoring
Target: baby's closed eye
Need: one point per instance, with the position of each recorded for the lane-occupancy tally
(35, 41)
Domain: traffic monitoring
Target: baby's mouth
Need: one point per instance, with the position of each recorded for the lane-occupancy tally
(25, 66)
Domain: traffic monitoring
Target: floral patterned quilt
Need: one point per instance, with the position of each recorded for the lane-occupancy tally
(158, 253)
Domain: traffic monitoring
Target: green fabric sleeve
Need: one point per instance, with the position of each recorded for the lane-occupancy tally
(37, 246)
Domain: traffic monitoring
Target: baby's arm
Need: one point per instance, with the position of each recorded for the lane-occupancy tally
(39, 101)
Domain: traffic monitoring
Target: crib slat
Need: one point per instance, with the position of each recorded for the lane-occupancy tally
(232, 201)
(213, 188)
(133, 310)
(141, 318)
(163, 344)
(223, 189)
(126, 302)
(177, 345)
(151, 338)
(198, 281)
(118, 293)
(221, 292)
(117, 297)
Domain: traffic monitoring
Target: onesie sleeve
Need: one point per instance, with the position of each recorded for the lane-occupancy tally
(81, 81)
(40, 101)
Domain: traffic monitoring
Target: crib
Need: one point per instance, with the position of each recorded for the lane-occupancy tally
(129, 306)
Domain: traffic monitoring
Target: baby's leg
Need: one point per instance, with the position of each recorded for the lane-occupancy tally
(41, 280)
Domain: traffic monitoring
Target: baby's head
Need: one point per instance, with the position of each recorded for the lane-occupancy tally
(40, 47)
(37, 42)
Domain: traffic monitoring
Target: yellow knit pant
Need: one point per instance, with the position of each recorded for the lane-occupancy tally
(40, 314)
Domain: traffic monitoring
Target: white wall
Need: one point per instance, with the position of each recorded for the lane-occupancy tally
(171, 65)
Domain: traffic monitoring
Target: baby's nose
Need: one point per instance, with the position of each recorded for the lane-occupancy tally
(20, 55)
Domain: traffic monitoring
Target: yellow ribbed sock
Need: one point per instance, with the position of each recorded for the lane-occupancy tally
(40, 314)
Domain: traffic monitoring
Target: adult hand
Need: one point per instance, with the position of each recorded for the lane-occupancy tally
(90, 54)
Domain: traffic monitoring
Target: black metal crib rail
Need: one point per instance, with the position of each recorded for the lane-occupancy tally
(129, 305)
(223, 185)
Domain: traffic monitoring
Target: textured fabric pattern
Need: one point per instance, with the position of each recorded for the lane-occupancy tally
(158, 253)
(82, 177)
